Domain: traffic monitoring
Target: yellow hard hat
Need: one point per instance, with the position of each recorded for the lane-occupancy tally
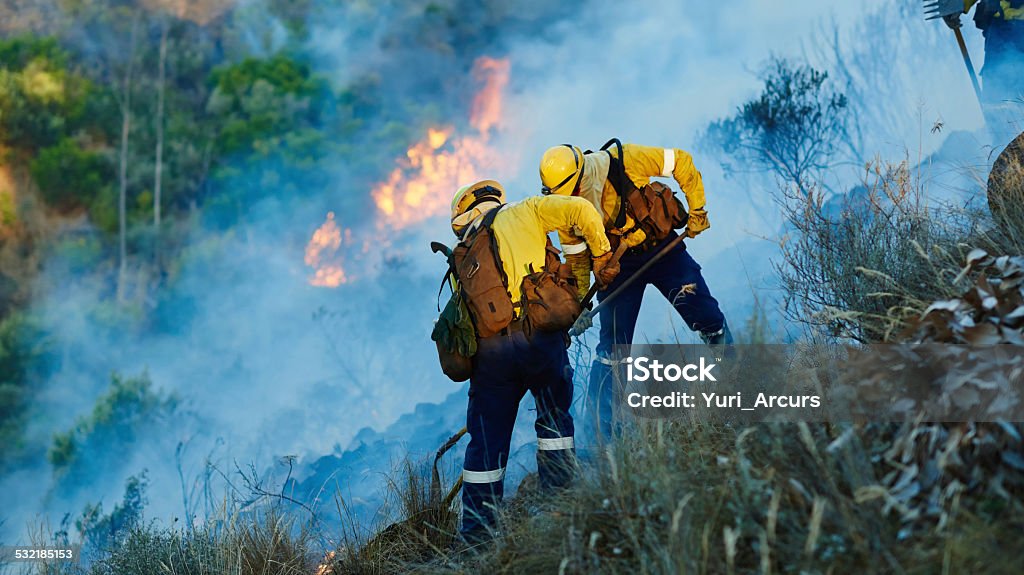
(470, 202)
(560, 170)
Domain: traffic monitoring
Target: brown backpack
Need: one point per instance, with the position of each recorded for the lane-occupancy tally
(482, 278)
(549, 296)
(654, 207)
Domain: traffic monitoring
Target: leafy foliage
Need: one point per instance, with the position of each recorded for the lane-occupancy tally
(118, 419)
(69, 176)
(271, 138)
(40, 98)
(23, 356)
(103, 531)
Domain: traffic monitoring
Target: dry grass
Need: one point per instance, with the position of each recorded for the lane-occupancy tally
(678, 498)
(425, 530)
(263, 542)
(865, 266)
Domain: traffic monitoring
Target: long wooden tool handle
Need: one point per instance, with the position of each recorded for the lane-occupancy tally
(593, 289)
(640, 272)
(967, 62)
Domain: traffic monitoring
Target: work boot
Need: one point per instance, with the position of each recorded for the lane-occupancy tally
(720, 342)
(720, 337)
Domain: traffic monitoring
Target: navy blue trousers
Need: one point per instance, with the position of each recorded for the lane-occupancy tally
(504, 368)
(669, 275)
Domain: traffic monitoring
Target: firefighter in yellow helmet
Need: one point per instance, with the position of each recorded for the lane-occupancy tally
(517, 358)
(601, 178)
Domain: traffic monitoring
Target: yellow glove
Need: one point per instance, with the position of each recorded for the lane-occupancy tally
(697, 222)
(580, 265)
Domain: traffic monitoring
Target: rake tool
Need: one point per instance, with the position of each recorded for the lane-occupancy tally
(435, 476)
(935, 9)
(422, 530)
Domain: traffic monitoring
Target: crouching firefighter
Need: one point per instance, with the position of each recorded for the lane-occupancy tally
(643, 215)
(521, 300)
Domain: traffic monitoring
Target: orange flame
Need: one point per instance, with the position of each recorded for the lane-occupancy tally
(325, 567)
(486, 111)
(322, 254)
(422, 183)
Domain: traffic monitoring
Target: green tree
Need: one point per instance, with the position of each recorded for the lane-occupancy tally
(22, 351)
(272, 138)
(69, 176)
(128, 407)
(40, 98)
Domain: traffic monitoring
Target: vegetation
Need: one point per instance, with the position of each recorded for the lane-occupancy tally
(20, 355)
(69, 176)
(119, 417)
(793, 129)
(133, 137)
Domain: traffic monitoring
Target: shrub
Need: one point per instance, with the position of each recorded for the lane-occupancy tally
(22, 349)
(863, 265)
(792, 129)
(118, 418)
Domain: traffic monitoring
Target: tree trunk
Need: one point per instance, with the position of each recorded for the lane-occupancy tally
(126, 124)
(158, 170)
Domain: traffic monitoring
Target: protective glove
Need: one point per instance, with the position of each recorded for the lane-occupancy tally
(582, 324)
(605, 270)
(697, 222)
(580, 265)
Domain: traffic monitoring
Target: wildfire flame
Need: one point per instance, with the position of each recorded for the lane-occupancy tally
(423, 181)
(422, 184)
(325, 567)
(322, 254)
(486, 111)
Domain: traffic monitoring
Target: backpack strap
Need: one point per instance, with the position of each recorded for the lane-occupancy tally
(440, 289)
(488, 222)
(617, 176)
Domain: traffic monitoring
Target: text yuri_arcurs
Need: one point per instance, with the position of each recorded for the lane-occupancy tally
(657, 386)
(886, 383)
(644, 369)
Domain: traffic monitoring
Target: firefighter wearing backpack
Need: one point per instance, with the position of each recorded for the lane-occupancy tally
(616, 180)
(513, 355)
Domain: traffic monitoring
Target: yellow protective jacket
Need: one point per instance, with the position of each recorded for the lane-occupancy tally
(522, 228)
(641, 163)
